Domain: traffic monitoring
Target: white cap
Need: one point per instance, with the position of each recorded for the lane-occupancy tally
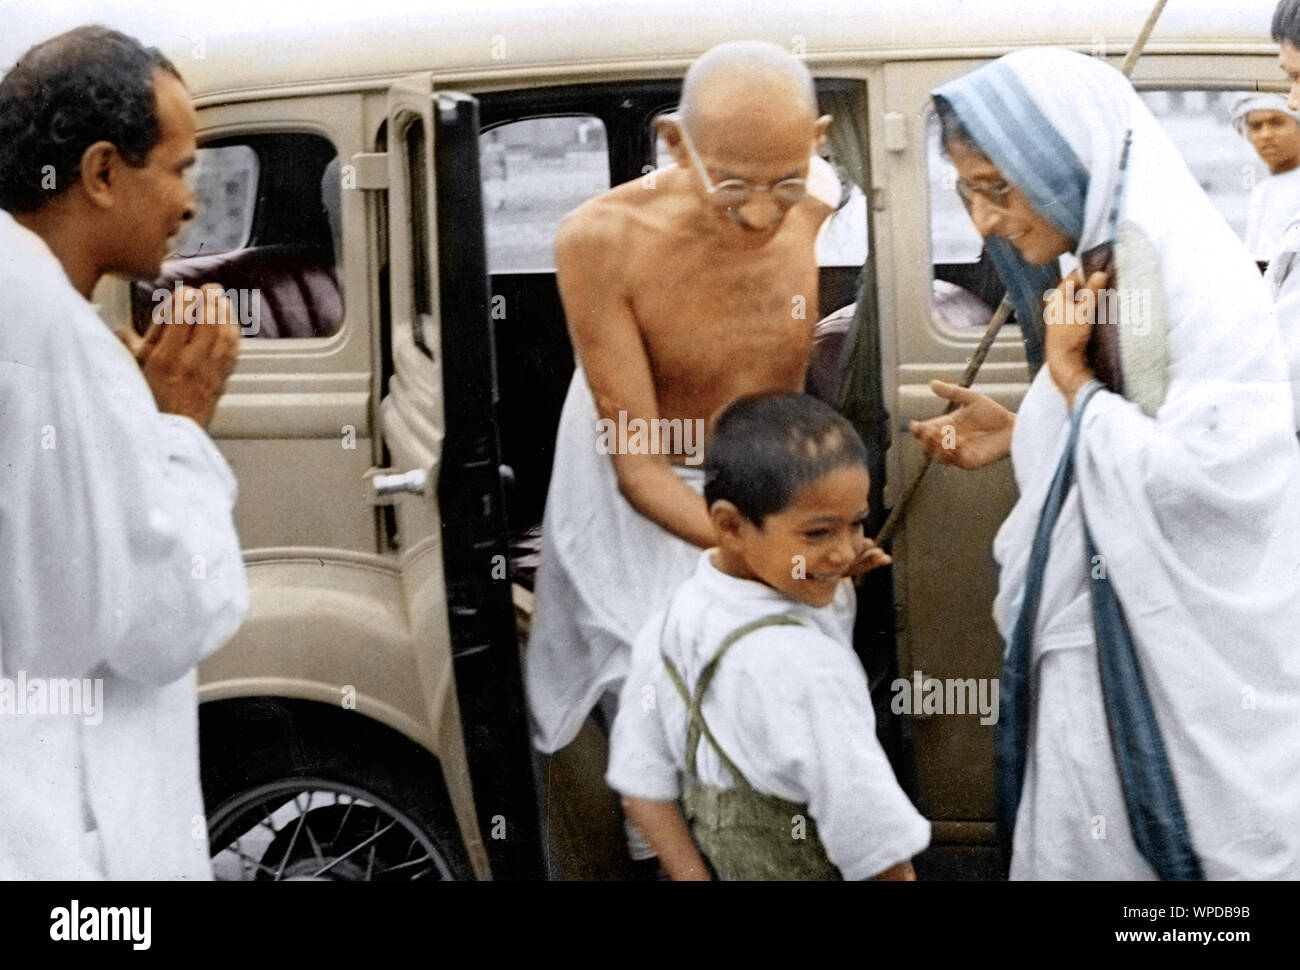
(1256, 101)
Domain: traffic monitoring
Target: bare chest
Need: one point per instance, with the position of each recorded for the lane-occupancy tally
(720, 324)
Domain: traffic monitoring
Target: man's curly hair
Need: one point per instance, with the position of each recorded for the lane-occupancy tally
(87, 85)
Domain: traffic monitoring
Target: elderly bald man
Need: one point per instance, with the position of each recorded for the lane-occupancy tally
(684, 290)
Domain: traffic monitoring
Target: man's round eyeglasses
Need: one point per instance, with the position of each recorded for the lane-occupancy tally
(736, 192)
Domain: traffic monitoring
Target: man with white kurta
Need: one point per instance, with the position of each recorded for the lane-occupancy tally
(119, 564)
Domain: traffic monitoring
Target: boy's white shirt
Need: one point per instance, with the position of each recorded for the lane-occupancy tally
(789, 705)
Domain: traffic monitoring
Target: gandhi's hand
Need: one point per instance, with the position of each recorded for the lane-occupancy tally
(976, 434)
(186, 364)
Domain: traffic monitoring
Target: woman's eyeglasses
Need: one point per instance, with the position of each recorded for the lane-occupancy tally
(996, 192)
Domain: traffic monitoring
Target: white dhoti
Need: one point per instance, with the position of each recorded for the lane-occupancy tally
(103, 527)
(605, 568)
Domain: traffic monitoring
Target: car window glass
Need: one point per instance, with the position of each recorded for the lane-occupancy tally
(536, 171)
(224, 181)
(964, 288)
(953, 238)
(267, 230)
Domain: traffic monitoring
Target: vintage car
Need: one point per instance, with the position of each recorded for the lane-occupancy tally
(382, 185)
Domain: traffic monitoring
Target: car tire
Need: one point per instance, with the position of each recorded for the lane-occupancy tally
(298, 793)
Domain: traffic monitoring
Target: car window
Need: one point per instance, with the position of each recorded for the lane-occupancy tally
(536, 171)
(224, 181)
(267, 230)
(964, 288)
(953, 238)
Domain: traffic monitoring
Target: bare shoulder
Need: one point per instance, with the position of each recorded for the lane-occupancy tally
(610, 228)
(596, 231)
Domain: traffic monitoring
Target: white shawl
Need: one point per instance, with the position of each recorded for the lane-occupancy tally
(1195, 510)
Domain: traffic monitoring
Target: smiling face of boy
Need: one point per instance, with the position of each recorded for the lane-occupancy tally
(805, 549)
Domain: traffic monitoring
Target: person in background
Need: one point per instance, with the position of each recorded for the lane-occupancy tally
(1273, 130)
(1281, 276)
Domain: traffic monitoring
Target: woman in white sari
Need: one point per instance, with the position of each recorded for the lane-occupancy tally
(1150, 571)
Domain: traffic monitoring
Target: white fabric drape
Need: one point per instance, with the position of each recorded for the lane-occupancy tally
(605, 569)
(118, 561)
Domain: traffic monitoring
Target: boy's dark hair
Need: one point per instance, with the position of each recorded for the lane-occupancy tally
(765, 448)
(87, 85)
(1286, 22)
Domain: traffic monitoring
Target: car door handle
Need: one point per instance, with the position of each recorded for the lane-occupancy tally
(387, 483)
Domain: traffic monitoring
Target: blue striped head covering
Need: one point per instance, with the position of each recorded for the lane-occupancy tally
(1007, 126)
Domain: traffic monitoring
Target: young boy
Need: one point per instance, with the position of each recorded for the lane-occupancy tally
(780, 775)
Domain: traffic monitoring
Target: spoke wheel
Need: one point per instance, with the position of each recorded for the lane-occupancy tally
(318, 830)
(296, 791)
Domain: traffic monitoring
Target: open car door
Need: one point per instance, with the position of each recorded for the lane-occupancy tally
(439, 425)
